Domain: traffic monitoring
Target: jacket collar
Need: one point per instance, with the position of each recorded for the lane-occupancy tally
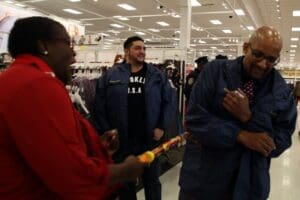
(28, 59)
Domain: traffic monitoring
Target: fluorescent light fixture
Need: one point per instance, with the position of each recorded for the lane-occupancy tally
(117, 25)
(113, 31)
(20, 5)
(192, 45)
(227, 31)
(296, 13)
(88, 24)
(213, 47)
(195, 3)
(295, 39)
(214, 38)
(292, 55)
(176, 16)
(140, 33)
(202, 42)
(177, 39)
(74, 0)
(72, 11)
(293, 46)
(11, 2)
(250, 28)
(121, 18)
(163, 23)
(292, 51)
(153, 30)
(295, 28)
(239, 12)
(215, 22)
(107, 43)
(126, 6)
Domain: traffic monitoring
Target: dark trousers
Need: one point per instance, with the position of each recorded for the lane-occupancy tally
(152, 185)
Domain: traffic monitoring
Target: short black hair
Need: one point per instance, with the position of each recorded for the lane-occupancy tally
(127, 44)
(202, 60)
(219, 56)
(26, 32)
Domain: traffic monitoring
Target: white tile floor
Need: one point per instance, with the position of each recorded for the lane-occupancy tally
(285, 175)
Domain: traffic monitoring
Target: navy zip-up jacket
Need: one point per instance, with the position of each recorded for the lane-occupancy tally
(111, 103)
(222, 168)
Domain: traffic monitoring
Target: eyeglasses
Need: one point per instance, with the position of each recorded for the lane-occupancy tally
(259, 56)
(68, 42)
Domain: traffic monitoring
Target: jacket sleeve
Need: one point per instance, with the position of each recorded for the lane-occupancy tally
(201, 122)
(279, 125)
(284, 127)
(47, 135)
(169, 103)
(100, 118)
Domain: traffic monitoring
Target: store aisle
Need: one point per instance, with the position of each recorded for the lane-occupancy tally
(285, 175)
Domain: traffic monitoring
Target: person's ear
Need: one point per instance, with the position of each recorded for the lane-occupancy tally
(42, 48)
(246, 47)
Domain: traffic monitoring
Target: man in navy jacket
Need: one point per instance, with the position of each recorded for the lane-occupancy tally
(240, 131)
(135, 98)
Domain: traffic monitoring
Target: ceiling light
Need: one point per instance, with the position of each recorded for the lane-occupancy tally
(75, 12)
(113, 31)
(215, 21)
(140, 33)
(250, 28)
(227, 31)
(293, 46)
(195, 3)
(239, 12)
(74, 0)
(117, 25)
(202, 42)
(213, 47)
(214, 38)
(11, 2)
(121, 18)
(163, 23)
(294, 39)
(177, 39)
(292, 51)
(176, 16)
(20, 5)
(88, 24)
(296, 13)
(292, 55)
(295, 28)
(153, 30)
(126, 6)
(278, 10)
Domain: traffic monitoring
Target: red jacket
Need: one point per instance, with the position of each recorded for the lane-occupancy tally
(44, 153)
